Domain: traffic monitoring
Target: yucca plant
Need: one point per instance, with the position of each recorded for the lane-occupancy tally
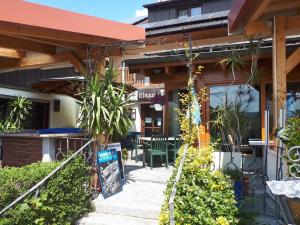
(20, 109)
(104, 105)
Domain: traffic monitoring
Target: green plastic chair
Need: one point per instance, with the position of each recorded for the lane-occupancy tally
(137, 144)
(159, 147)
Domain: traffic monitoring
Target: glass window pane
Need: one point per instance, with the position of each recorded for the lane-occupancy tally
(196, 11)
(293, 99)
(235, 110)
(183, 13)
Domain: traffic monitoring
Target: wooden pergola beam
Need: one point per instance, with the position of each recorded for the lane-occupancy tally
(63, 44)
(293, 60)
(262, 5)
(282, 6)
(76, 62)
(43, 60)
(262, 28)
(57, 35)
(25, 45)
(11, 53)
(180, 45)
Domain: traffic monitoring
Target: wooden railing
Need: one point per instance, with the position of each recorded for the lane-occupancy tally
(137, 80)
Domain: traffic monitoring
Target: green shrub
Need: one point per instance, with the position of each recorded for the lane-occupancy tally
(15, 181)
(65, 197)
(291, 134)
(202, 197)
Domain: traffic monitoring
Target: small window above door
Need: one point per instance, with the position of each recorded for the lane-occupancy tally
(183, 13)
(196, 11)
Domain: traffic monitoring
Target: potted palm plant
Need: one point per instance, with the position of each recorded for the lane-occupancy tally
(158, 101)
(104, 106)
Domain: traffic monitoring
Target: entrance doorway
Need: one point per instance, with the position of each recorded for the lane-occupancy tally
(152, 121)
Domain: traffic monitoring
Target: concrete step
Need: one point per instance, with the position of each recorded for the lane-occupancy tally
(138, 199)
(108, 219)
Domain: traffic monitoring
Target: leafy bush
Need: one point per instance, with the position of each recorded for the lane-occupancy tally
(64, 198)
(290, 135)
(203, 197)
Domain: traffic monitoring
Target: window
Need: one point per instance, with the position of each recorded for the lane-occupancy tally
(38, 119)
(183, 13)
(196, 11)
(235, 110)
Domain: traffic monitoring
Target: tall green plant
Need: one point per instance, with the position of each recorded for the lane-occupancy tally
(104, 106)
(20, 109)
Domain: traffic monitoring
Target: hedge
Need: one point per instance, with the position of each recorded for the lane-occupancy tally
(64, 198)
(202, 197)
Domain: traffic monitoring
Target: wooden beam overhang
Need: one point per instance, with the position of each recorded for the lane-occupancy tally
(11, 53)
(43, 60)
(25, 45)
(261, 6)
(63, 44)
(264, 28)
(293, 60)
(40, 32)
(180, 45)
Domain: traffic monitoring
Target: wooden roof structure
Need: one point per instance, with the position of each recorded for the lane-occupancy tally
(33, 35)
(277, 19)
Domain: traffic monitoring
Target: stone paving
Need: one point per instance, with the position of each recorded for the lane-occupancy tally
(140, 201)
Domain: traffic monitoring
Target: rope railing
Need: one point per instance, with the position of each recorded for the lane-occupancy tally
(42, 182)
(174, 188)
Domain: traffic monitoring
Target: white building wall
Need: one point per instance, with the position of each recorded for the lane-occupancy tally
(137, 122)
(66, 117)
(271, 166)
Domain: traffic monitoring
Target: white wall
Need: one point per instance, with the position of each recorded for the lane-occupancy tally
(137, 123)
(271, 166)
(66, 117)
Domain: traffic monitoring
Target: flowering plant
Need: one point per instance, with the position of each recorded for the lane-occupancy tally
(158, 99)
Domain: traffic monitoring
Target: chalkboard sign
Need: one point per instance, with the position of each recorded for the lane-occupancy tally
(110, 177)
(117, 146)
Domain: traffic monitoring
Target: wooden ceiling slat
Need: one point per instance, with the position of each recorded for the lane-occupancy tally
(11, 53)
(25, 45)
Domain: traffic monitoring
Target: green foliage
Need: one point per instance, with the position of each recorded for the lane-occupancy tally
(62, 200)
(203, 197)
(14, 180)
(234, 174)
(291, 134)
(20, 109)
(104, 105)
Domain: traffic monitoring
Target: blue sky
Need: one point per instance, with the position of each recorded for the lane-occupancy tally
(118, 10)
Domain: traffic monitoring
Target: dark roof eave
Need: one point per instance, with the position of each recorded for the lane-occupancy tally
(180, 29)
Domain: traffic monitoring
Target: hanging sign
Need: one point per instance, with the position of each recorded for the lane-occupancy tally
(147, 94)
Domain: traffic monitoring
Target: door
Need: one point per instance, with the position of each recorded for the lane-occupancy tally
(152, 121)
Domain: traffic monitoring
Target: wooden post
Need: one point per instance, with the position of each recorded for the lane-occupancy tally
(279, 68)
(202, 127)
(263, 107)
(166, 113)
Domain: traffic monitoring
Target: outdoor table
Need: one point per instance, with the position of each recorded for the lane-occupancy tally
(147, 145)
